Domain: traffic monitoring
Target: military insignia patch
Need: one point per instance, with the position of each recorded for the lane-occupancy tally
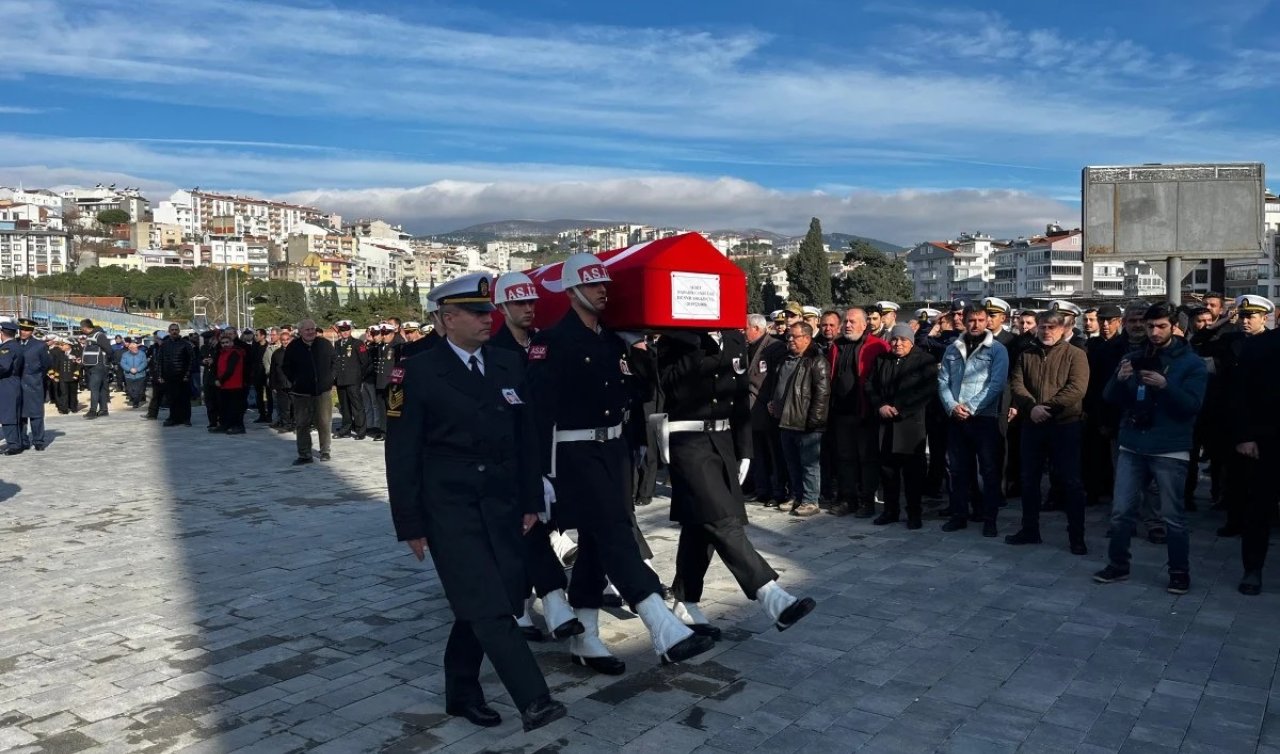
(395, 399)
(737, 365)
(624, 366)
(537, 352)
(397, 375)
(764, 366)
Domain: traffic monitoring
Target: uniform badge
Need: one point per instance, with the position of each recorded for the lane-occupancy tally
(511, 396)
(395, 399)
(537, 353)
(737, 365)
(764, 366)
(624, 366)
(397, 375)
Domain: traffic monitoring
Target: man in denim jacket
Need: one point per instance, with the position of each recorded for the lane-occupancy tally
(971, 381)
(1160, 390)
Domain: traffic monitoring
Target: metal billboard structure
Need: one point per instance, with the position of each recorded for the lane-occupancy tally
(1173, 212)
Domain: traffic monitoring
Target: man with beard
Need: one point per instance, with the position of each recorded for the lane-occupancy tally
(1100, 417)
(851, 420)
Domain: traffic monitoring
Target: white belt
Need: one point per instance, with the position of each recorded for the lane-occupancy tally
(601, 434)
(715, 425)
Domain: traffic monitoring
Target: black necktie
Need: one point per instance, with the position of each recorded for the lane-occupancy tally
(475, 364)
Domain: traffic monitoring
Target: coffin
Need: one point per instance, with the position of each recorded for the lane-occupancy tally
(681, 282)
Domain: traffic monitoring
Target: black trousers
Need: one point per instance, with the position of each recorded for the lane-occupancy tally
(210, 398)
(178, 395)
(728, 539)
(899, 473)
(499, 640)
(767, 467)
(68, 396)
(936, 426)
(351, 406)
(1057, 446)
(832, 482)
(265, 399)
(1260, 503)
(135, 391)
(231, 406)
(545, 572)
(286, 407)
(611, 551)
(857, 459)
(1097, 467)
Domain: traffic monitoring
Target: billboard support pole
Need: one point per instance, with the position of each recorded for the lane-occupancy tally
(1173, 280)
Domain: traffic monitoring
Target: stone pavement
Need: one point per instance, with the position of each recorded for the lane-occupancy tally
(168, 590)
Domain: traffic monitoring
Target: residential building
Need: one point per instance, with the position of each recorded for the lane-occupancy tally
(945, 270)
(1260, 276)
(380, 229)
(307, 239)
(200, 212)
(85, 204)
(228, 251)
(38, 197)
(28, 248)
(1051, 266)
(129, 259)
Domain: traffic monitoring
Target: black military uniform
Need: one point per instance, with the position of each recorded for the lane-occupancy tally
(1254, 404)
(350, 364)
(65, 372)
(11, 369)
(462, 469)
(705, 382)
(1219, 429)
(421, 345)
(209, 369)
(385, 360)
(579, 380)
(36, 362)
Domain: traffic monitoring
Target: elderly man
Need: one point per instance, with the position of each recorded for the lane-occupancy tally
(1048, 385)
(308, 366)
(903, 383)
(765, 354)
(851, 420)
(800, 401)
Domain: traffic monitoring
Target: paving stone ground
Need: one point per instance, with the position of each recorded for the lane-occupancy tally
(166, 590)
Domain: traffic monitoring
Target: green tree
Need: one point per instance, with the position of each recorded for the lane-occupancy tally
(755, 302)
(876, 277)
(112, 217)
(770, 301)
(808, 271)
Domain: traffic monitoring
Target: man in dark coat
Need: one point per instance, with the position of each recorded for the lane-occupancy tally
(173, 362)
(1101, 419)
(11, 368)
(208, 362)
(35, 362)
(463, 481)
(703, 381)
(97, 367)
(764, 354)
(65, 374)
(850, 419)
(579, 383)
(351, 362)
(903, 384)
(308, 366)
(279, 382)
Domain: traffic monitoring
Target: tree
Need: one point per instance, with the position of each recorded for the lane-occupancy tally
(876, 277)
(113, 217)
(755, 303)
(769, 298)
(808, 271)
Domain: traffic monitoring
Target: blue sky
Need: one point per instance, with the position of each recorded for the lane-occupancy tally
(896, 120)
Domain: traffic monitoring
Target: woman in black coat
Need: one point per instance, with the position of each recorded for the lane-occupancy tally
(902, 384)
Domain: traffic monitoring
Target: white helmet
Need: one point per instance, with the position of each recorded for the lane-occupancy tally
(582, 269)
(513, 287)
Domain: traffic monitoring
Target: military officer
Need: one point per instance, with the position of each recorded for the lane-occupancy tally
(1073, 314)
(707, 439)
(65, 372)
(36, 361)
(1241, 470)
(888, 311)
(464, 481)
(11, 371)
(579, 384)
(516, 297)
(427, 341)
(351, 360)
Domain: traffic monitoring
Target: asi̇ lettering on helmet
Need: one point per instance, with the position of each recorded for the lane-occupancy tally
(583, 269)
(513, 287)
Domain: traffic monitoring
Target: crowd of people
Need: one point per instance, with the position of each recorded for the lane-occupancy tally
(976, 403)
(502, 439)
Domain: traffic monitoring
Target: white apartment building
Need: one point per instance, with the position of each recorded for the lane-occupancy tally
(380, 229)
(87, 203)
(1051, 266)
(35, 215)
(26, 250)
(945, 270)
(38, 197)
(200, 212)
(1259, 276)
(228, 251)
(306, 238)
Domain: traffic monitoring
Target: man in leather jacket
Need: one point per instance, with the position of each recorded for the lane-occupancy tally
(800, 402)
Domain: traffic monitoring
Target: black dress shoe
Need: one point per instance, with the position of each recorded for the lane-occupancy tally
(38, 446)
(540, 712)
(798, 610)
(532, 633)
(1251, 584)
(665, 592)
(12, 451)
(604, 665)
(342, 433)
(705, 629)
(324, 455)
(358, 436)
(1023, 537)
(989, 529)
(1079, 548)
(91, 415)
(302, 461)
(914, 523)
(612, 600)
(216, 429)
(478, 714)
(571, 627)
(380, 438)
(884, 519)
(955, 524)
(691, 646)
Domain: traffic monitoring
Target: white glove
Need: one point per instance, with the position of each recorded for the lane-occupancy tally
(743, 466)
(548, 497)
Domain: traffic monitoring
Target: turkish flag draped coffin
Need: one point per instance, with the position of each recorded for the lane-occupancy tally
(679, 282)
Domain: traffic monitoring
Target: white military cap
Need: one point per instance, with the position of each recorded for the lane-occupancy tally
(887, 306)
(1253, 304)
(997, 305)
(1065, 307)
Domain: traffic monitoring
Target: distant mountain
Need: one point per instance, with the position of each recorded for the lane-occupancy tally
(547, 229)
(521, 229)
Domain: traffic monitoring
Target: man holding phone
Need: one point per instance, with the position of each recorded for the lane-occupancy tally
(1159, 390)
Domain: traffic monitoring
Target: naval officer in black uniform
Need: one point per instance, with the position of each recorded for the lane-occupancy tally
(580, 387)
(463, 481)
(707, 436)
